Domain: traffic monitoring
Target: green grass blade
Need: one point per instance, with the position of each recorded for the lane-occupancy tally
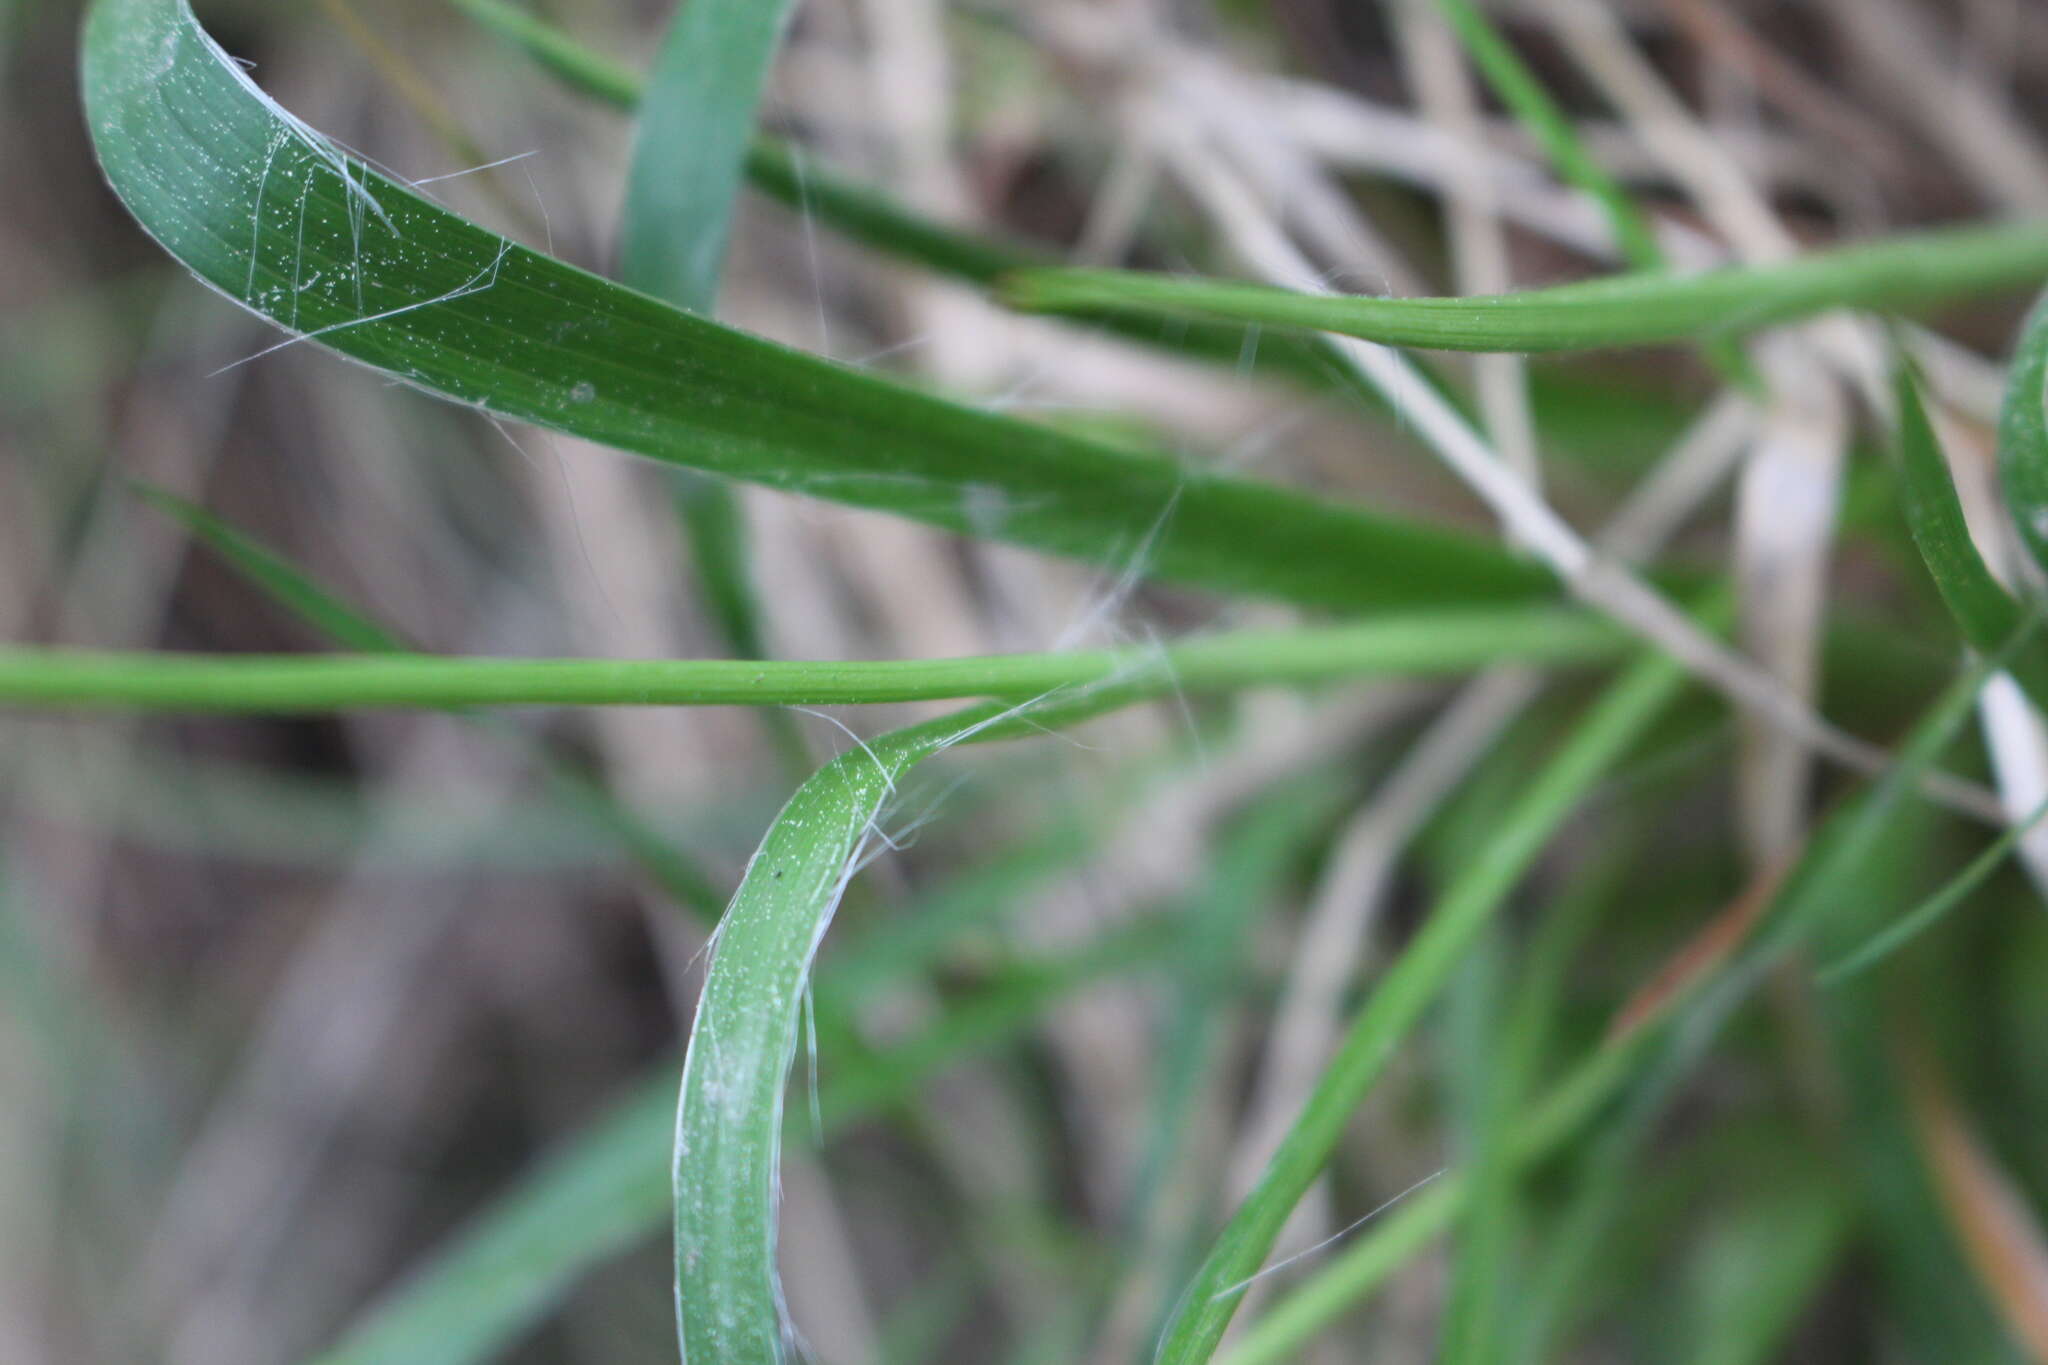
(770, 166)
(277, 577)
(608, 1188)
(1685, 1025)
(1425, 644)
(878, 222)
(1539, 114)
(1984, 611)
(597, 1197)
(1398, 1000)
(2023, 434)
(277, 218)
(1897, 273)
(696, 122)
(1929, 912)
(743, 1043)
(671, 869)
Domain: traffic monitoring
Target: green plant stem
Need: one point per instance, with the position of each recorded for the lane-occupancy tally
(1420, 644)
(1618, 310)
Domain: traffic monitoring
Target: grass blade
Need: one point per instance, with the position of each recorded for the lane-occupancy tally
(1537, 112)
(1897, 273)
(696, 121)
(681, 192)
(742, 1046)
(1984, 612)
(1419, 644)
(1401, 996)
(282, 581)
(609, 1187)
(1929, 912)
(879, 222)
(272, 215)
(670, 868)
(2023, 434)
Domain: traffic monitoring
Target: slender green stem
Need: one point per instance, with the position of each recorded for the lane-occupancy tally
(1618, 310)
(1420, 644)
(1400, 998)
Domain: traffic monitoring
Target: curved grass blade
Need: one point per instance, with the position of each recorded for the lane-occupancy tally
(1897, 273)
(272, 215)
(1398, 1000)
(1419, 644)
(1984, 611)
(742, 1046)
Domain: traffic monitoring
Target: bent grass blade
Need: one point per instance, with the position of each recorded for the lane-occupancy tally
(269, 213)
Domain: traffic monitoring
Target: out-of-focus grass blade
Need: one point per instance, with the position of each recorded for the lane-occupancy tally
(696, 122)
(277, 218)
(1483, 1269)
(1171, 1200)
(1984, 612)
(1399, 998)
(1765, 1267)
(1897, 273)
(1929, 912)
(671, 869)
(1821, 887)
(283, 581)
(502, 1273)
(2023, 434)
(598, 1196)
(1533, 107)
(876, 221)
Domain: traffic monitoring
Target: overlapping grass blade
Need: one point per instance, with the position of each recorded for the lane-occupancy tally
(878, 222)
(272, 215)
(1899, 273)
(1819, 894)
(1399, 998)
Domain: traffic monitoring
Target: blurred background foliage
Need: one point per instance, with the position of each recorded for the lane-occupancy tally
(287, 1003)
